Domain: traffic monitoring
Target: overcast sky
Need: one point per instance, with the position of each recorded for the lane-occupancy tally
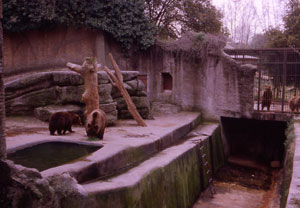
(257, 15)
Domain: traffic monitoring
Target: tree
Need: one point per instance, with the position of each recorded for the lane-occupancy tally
(289, 36)
(258, 41)
(292, 23)
(2, 95)
(173, 17)
(201, 16)
(276, 38)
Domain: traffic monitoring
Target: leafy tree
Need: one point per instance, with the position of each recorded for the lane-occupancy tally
(200, 16)
(292, 23)
(124, 20)
(173, 17)
(276, 38)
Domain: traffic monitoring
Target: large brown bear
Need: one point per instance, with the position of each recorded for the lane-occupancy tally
(63, 121)
(96, 123)
(266, 98)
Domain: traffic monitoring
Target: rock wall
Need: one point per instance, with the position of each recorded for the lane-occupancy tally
(25, 187)
(39, 91)
(203, 79)
(48, 48)
(53, 47)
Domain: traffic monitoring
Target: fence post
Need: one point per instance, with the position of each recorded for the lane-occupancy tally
(259, 78)
(283, 78)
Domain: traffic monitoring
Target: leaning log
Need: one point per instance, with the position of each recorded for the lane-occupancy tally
(117, 81)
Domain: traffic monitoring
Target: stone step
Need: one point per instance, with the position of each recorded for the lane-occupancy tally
(171, 178)
(164, 108)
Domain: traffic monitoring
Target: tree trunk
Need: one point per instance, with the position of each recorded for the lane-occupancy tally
(88, 71)
(2, 95)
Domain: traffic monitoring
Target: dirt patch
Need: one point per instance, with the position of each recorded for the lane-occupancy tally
(248, 177)
(19, 131)
(238, 186)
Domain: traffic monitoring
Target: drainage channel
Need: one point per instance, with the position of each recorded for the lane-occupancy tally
(255, 171)
(236, 186)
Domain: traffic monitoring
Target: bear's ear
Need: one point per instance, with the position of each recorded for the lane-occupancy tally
(95, 115)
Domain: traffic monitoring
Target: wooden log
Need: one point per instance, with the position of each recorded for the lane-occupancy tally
(88, 71)
(117, 81)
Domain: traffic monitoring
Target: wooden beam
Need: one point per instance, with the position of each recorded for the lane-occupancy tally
(117, 81)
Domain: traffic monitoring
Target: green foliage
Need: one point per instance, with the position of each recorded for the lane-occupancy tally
(290, 133)
(124, 20)
(290, 36)
(93, 139)
(200, 16)
(276, 38)
(20, 15)
(292, 24)
(174, 17)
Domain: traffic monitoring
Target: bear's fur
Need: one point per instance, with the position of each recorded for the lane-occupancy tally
(294, 103)
(266, 98)
(96, 123)
(63, 121)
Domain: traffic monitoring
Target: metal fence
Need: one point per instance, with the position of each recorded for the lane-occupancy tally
(277, 80)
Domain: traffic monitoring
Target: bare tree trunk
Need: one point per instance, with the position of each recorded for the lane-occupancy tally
(88, 71)
(2, 95)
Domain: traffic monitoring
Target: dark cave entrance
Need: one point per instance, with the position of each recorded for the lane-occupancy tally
(261, 141)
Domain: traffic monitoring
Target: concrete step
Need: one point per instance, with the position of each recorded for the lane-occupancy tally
(171, 178)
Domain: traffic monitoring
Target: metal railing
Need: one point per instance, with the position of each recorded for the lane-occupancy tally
(277, 80)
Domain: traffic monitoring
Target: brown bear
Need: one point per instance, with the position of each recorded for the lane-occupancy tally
(266, 98)
(63, 121)
(96, 123)
(294, 103)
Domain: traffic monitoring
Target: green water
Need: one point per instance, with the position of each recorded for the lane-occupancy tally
(51, 154)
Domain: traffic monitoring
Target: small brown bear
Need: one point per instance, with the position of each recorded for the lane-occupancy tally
(266, 98)
(63, 121)
(96, 123)
(293, 103)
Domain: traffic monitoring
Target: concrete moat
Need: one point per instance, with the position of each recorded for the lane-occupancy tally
(253, 174)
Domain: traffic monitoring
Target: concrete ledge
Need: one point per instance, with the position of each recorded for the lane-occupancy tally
(293, 199)
(173, 177)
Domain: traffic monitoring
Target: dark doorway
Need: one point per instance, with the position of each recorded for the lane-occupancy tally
(167, 81)
(258, 140)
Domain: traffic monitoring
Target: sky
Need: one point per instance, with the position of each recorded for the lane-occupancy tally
(249, 17)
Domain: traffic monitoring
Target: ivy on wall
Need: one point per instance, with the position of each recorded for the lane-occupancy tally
(124, 20)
